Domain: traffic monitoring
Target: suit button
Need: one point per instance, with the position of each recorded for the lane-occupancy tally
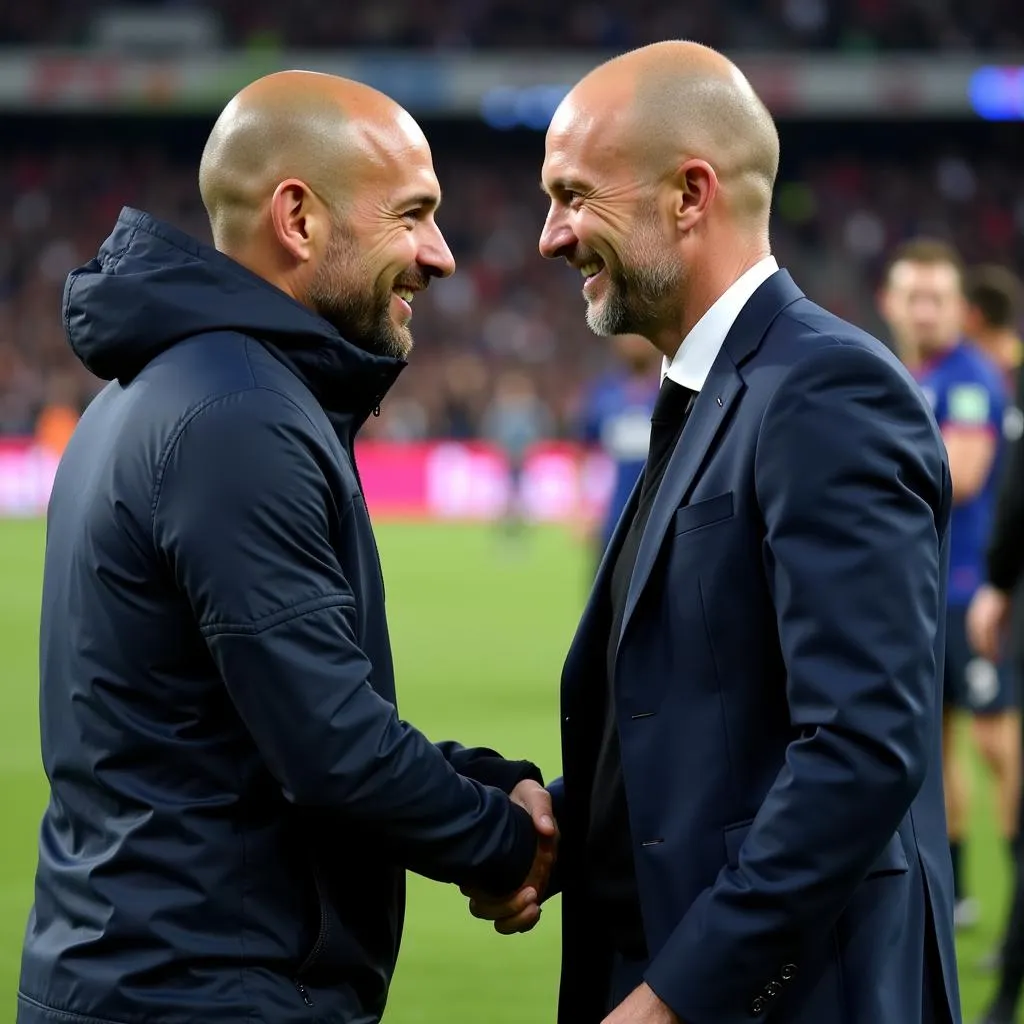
(757, 1006)
(772, 989)
(787, 972)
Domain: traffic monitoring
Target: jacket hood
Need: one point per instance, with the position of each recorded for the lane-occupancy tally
(151, 286)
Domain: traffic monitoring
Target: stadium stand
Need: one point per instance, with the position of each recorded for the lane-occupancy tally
(840, 207)
(848, 25)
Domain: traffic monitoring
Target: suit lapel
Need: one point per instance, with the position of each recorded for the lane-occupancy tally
(708, 418)
(710, 412)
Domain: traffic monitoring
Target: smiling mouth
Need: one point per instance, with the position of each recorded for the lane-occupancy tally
(590, 270)
(404, 293)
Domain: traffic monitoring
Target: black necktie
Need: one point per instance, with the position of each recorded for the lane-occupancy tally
(670, 412)
(611, 875)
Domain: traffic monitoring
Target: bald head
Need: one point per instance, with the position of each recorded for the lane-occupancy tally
(329, 133)
(673, 101)
(326, 189)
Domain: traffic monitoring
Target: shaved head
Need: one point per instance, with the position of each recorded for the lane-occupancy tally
(679, 100)
(328, 132)
(326, 188)
(660, 165)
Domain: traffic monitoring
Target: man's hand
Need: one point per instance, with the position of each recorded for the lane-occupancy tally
(520, 911)
(536, 800)
(987, 620)
(642, 1006)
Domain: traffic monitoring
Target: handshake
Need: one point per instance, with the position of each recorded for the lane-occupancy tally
(520, 911)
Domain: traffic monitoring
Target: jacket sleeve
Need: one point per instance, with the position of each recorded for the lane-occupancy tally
(488, 766)
(1005, 562)
(243, 516)
(854, 490)
(557, 790)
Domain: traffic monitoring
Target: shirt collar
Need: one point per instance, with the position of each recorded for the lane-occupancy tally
(692, 363)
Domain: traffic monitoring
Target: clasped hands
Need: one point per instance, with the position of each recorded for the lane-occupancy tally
(520, 911)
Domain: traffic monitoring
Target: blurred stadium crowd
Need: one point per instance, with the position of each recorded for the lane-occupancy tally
(851, 25)
(506, 309)
(502, 349)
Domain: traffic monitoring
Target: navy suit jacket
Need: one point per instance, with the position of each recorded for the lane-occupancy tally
(777, 694)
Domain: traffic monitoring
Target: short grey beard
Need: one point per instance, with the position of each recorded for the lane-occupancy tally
(635, 299)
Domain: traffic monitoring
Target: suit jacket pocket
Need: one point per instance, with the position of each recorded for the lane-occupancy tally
(703, 513)
(891, 861)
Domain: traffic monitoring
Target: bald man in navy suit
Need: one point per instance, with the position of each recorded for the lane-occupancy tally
(751, 811)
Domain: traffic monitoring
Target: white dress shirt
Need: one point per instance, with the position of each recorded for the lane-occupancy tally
(692, 362)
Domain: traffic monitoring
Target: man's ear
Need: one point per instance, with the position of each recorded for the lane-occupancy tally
(298, 219)
(696, 187)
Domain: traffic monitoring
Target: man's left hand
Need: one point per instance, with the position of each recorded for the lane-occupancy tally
(642, 1006)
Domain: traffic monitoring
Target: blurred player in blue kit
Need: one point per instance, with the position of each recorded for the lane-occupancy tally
(617, 419)
(923, 302)
(515, 421)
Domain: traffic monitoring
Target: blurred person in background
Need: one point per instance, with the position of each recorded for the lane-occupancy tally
(616, 419)
(515, 421)
(22, 390)
(463, 398)
(233, 798)
(993, 295)
(995, 614)
(922, 301)
(59, 416)
(751, 810)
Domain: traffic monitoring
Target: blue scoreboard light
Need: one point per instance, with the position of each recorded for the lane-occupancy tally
(997, 93)
(522, 107)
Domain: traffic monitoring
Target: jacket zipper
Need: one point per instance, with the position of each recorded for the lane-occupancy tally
(350, 448)
(321, 941)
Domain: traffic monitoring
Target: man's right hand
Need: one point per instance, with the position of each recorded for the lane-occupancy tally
(520, 911)
(987, 620)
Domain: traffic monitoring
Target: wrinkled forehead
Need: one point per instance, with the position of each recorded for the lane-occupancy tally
(588, 139)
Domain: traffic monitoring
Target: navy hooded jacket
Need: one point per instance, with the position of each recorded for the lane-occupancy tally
(233, 798)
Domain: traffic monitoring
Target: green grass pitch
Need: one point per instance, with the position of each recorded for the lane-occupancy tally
(480, 627)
